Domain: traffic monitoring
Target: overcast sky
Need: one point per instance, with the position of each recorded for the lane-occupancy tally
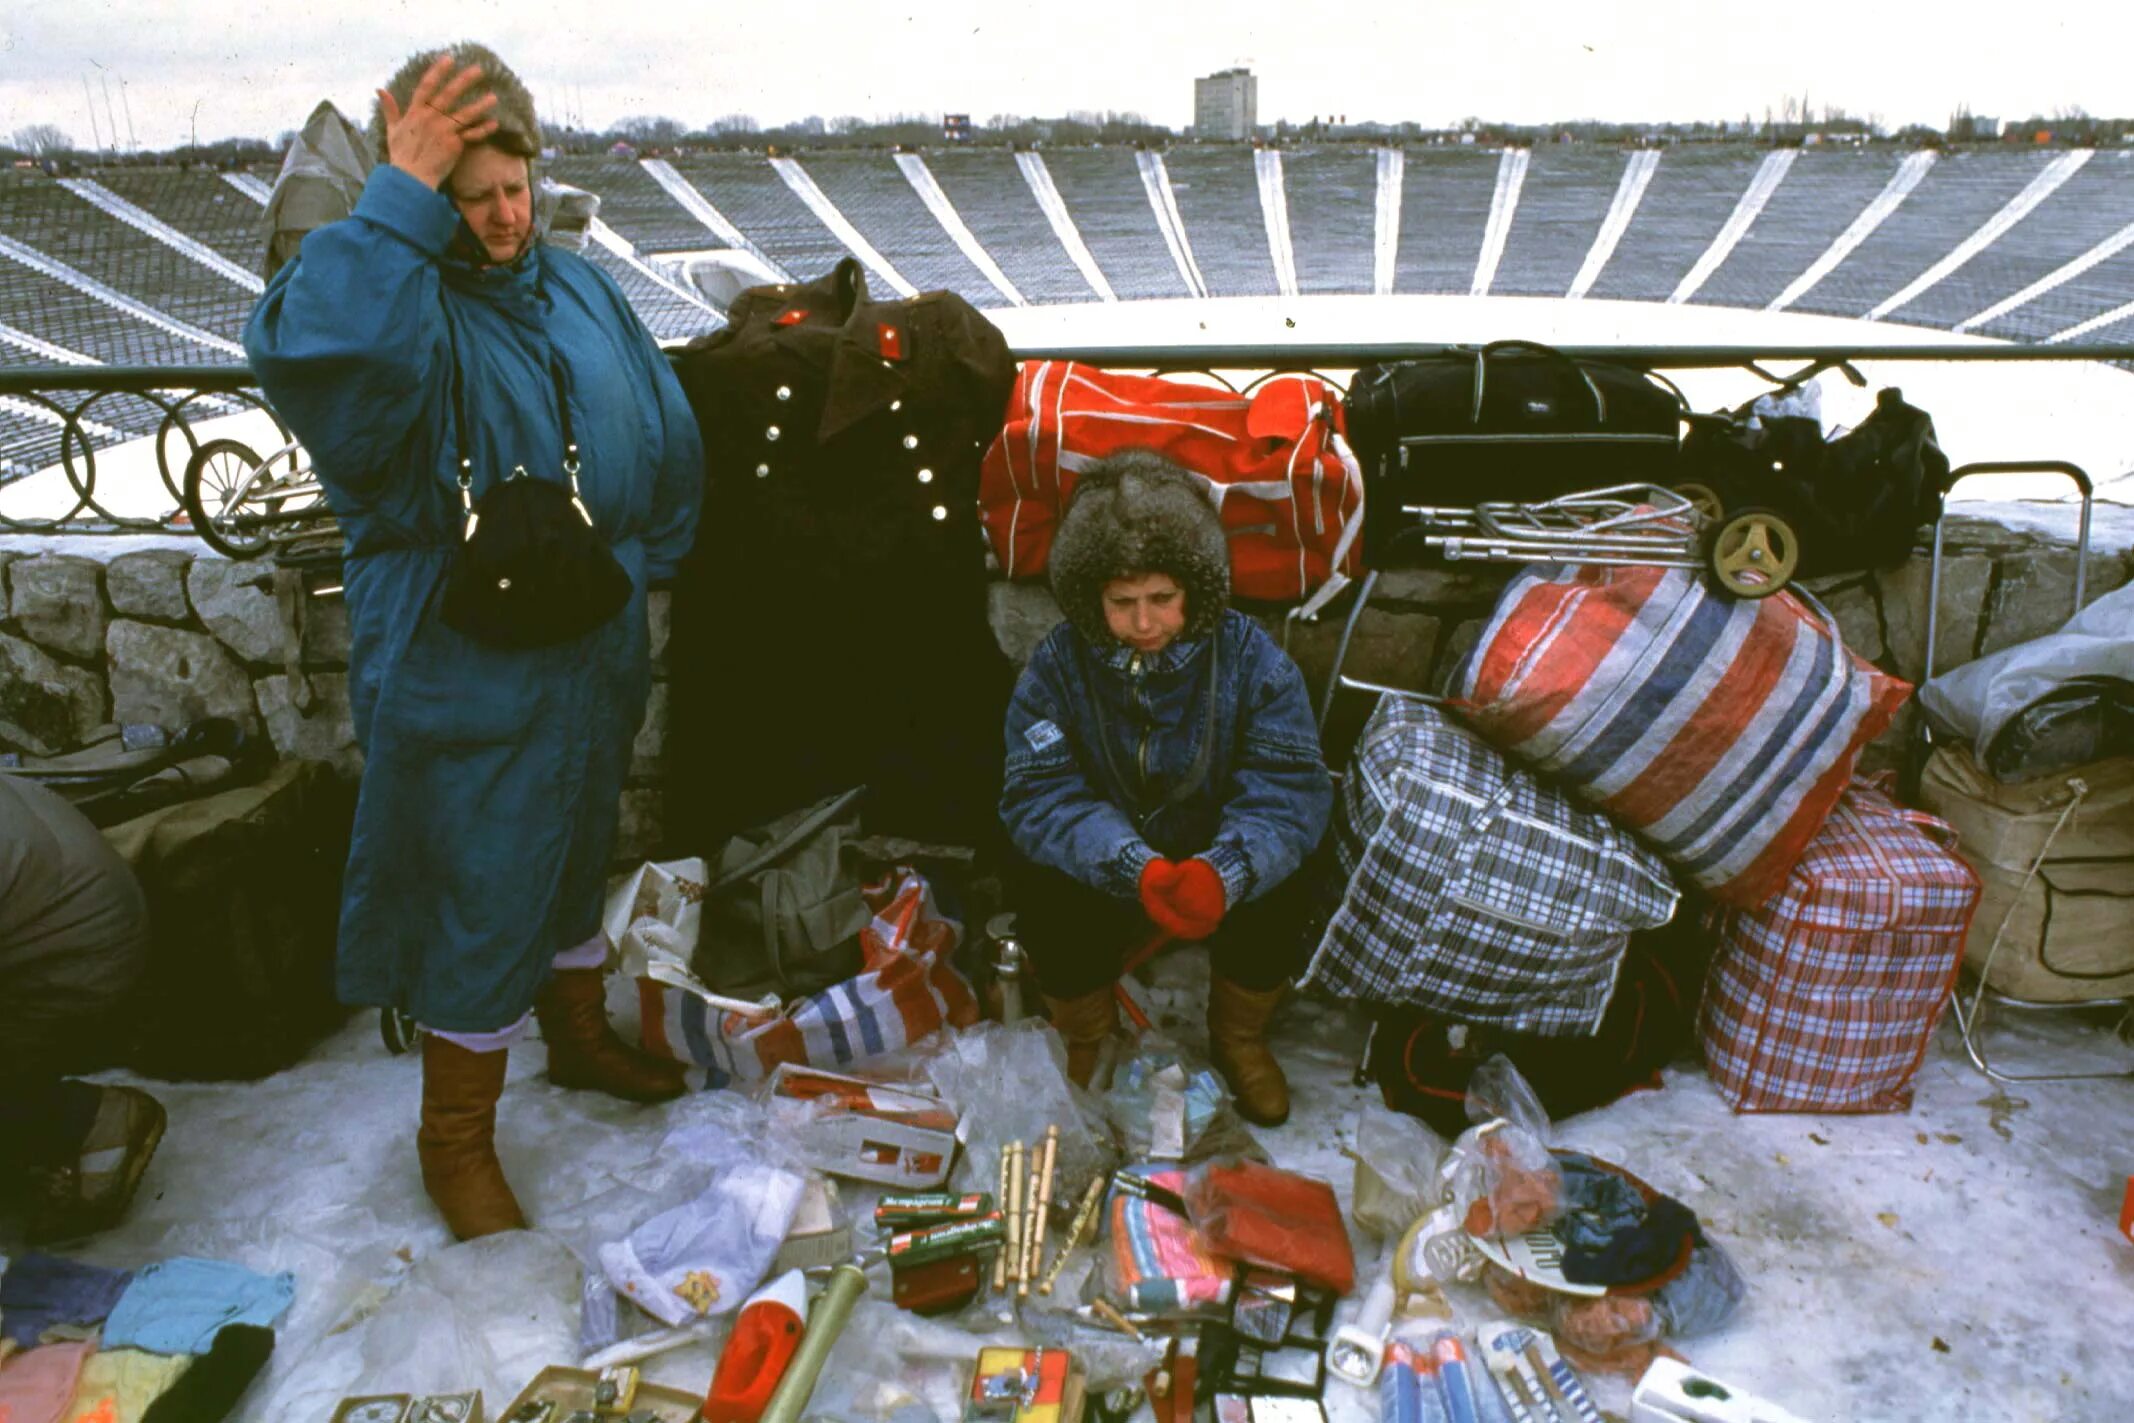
(217, 68)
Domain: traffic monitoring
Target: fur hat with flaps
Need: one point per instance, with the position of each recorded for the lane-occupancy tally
(1134, 513)
(517, 131)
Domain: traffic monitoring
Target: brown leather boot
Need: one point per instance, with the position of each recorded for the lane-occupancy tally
(583, 1050)
(1085, 1023)
(1237, 1041)
(457, 1142)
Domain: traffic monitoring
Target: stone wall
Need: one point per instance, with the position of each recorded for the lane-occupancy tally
(100, 631)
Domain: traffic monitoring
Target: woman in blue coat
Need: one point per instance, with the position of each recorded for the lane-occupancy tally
(429, 325)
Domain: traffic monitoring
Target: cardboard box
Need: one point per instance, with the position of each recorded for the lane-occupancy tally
(571, 1391)
(1016, 1385)
(817, 1238)
(871, 1131)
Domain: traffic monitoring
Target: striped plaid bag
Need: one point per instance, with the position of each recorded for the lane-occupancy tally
(1825, 998)
(907, 988)
(1277, 466)
(1720, 730)
(1472, 890)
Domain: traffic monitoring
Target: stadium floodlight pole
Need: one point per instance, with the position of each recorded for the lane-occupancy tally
(95, 134)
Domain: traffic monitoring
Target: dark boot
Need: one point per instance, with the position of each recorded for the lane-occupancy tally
(457, 1142)
(1084, 1023)
(583, 1050)
(1237, 1041)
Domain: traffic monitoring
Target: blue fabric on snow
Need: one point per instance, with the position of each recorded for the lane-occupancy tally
(177, 1306)
(39, 1291)
(491, 777)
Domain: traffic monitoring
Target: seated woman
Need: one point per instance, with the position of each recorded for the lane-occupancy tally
(1163, 774)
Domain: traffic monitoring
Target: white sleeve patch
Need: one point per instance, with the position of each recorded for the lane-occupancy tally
(1044, 734)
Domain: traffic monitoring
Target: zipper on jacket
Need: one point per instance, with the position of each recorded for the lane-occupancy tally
(1137, 693)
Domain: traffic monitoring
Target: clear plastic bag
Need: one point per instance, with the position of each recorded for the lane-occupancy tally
(1156, 1265)
(1397, 1160)
(1165, 1105)
(1504, 1181)
(1704, 1296)
(1009, 1082)
(1614, 1334)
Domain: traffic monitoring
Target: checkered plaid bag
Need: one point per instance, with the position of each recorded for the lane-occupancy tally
(1721, 730)
(1472, 890)
(1825, 998)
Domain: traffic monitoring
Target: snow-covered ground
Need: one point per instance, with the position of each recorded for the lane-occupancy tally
(1958, 1262)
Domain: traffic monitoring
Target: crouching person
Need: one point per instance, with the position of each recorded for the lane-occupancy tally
(1164, 776)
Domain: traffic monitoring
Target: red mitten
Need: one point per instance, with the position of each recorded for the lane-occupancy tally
(1196, 898)
(1158, 877)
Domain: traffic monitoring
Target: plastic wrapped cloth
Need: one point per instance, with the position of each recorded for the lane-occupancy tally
(1504, 1181)
(1009, 1082)
(2042, 706)
(1397, 1160)
(1516, 1295)
(1156, 1263)
(440, 1330)
(1262, 1215)
(1704, 1296)
(705, 1255)
(1166, 1106)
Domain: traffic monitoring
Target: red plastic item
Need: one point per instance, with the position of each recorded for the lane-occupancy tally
(1263, 1215)
(766, 1334)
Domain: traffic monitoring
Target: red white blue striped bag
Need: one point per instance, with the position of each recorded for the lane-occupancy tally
(1825, 999)
(907, 989)
(1720, 730)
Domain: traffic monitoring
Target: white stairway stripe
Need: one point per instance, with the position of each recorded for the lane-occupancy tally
(1274, 213)
(2111, 247)
(1769, 174)
(623, 251)
(252, 187)
(1894, 192)
(699, 207)
(2019, 207)
(803, 186)
(103, 199)
(928, 187)
(82, 282)
(1503, 203)
(31, 410)
(1038, 178)
(1392, 169)
(2117, 313)
(1637, 176)
(1156, 182)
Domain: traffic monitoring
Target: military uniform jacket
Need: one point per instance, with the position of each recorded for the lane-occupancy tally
(842, 564)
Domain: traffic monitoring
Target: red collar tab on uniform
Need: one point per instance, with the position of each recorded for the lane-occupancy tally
(791, 316)
(891, 341)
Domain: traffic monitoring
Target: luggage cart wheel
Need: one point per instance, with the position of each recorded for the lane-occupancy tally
(1754, 553)
(398, 1031)
(1704, 499)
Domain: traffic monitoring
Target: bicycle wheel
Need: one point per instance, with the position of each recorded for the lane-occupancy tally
(215, 476)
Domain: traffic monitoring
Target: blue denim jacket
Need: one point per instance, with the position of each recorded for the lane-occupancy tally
(1205, 748)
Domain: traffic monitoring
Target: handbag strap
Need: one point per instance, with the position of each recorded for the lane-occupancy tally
(468, 515)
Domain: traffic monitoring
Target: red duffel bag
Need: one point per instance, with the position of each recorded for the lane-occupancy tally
(1276, 460)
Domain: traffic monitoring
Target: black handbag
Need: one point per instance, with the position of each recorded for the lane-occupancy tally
(530, 569)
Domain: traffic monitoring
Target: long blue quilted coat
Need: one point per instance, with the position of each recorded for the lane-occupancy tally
(488, 806)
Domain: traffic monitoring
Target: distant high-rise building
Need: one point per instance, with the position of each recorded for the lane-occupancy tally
(1226, 105)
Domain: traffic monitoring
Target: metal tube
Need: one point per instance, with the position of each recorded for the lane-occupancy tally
(826, 1320)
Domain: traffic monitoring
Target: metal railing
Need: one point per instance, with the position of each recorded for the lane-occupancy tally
(185, 394)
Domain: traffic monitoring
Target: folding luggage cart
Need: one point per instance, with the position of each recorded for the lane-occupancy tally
(1967, 1018)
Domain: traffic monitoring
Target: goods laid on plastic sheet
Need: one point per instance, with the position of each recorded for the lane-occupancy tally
(1722, 731)
(1825, 999)
(1472, 890)
(1275, 460)
(2055, 861)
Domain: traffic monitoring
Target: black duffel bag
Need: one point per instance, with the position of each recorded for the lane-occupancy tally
(1422, 1061)
(1512, 420)
(1854, 503)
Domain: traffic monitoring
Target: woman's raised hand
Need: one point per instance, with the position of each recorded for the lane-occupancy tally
(427, 139)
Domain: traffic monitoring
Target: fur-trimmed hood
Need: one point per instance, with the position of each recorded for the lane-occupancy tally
(1137, 512)
(517, 131)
